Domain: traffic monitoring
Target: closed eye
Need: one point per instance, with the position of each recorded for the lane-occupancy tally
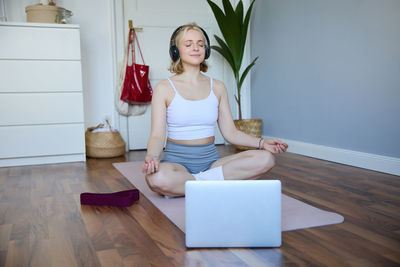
(189, 43)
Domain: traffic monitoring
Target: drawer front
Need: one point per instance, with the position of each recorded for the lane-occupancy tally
(40, 108)
(39, 43)
(40, 76)
(44, 140)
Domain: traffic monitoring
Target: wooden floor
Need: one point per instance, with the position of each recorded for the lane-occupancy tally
(43, 224)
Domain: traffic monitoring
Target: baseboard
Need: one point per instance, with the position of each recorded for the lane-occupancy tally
(368, 161)
(11, 162)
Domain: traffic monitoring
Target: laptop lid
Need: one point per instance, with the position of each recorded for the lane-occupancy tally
(245, 213)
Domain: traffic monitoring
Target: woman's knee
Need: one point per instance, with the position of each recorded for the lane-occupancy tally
(158, 181)
(265, 160)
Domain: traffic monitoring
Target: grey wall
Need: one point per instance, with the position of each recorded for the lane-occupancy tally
(329, 72)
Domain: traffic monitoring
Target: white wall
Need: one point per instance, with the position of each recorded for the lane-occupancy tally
(94, 18)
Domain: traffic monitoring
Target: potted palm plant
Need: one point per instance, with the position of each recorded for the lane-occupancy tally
(234, 27)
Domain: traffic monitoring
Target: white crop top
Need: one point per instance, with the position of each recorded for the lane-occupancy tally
(192, 119)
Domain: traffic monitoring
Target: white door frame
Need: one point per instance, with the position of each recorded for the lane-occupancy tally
(118, 47)
(118, 39)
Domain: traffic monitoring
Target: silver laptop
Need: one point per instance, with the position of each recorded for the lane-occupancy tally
(233, 213)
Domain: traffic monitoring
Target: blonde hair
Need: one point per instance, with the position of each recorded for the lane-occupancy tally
(177, 66)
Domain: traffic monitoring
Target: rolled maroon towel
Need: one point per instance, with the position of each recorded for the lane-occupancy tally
(117, 199)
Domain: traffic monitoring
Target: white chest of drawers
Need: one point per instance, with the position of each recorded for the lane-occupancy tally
(41, 101)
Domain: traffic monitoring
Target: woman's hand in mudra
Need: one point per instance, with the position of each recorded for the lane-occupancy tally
(151, 164)
(274, 145)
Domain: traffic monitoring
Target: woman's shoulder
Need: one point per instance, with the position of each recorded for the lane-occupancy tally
(218, 83)
(162, 86)
(219, 87)
(163, 90)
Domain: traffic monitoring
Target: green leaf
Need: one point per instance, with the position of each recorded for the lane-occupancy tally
(246, 23)
(244, 32)
(245, 72)
(228, 26)
(234, 32)
(219, 15)
(228, 8)
(227, 53)
(230, 13)
(239, 13)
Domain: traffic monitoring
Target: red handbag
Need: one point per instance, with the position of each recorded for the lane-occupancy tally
(137, 88)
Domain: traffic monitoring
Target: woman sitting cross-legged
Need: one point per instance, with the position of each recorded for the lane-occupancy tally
(190, 103)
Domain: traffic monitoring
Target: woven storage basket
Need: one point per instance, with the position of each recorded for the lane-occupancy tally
(41, 13)
(104, 144)
(252, 127)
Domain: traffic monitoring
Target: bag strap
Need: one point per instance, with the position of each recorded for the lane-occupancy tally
(130, 46)
(90, 129)
(137, 40)
(101, 125)
(109, 125)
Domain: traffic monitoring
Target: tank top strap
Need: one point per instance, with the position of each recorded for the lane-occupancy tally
(172, 84)
(212, 92)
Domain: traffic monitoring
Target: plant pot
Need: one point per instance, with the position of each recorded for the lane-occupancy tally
(251, 127)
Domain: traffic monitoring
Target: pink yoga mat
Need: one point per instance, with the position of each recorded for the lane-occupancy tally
(295, 214)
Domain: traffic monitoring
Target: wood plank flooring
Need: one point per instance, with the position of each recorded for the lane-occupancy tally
(43, 224)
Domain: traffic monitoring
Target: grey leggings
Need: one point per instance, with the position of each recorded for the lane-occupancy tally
(194, 158)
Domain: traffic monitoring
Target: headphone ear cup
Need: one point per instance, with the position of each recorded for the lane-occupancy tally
(208, 49)
(207, 54)
(174, 53)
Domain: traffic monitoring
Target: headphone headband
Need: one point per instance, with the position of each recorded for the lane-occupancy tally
(173, 48)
